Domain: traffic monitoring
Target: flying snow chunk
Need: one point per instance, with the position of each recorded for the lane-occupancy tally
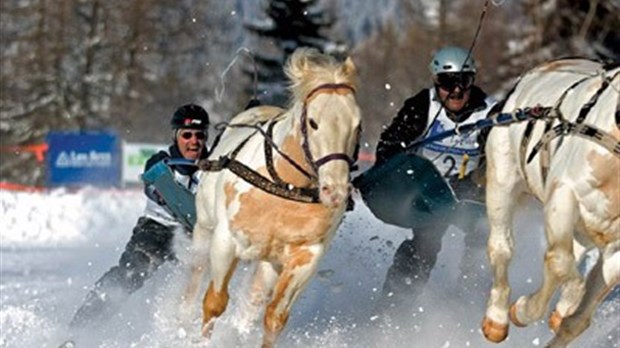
(388, 86)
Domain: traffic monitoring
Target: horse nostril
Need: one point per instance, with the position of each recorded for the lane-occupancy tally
(337, 199)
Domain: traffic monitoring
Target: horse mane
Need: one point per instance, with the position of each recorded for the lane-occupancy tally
(257, 115)
(307, 69)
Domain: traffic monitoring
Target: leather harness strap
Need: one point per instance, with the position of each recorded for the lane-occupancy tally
(276, 185)
(582, 130)
(280, 189)
(564, 128)
(269, 155)
(579, 128)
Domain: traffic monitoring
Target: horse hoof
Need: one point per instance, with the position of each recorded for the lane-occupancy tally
(555, 319)
(513, 316)
(493, 331)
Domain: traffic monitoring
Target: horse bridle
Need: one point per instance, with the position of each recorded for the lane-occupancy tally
(326, 88)
(277, 186)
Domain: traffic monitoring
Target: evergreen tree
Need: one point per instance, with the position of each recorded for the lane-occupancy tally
(561, 28)
(290, 24)
(91, 64)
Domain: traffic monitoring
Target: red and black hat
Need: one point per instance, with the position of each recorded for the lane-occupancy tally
(190, 116)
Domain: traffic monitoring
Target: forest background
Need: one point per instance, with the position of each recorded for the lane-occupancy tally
(80, 65)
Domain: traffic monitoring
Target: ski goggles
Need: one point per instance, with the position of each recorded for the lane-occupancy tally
(449, 81)
(187, 135)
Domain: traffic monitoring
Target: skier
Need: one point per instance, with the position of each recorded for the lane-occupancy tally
(452, 101)
(151, 242)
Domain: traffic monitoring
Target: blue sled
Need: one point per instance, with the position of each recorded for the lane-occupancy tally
(179, 200)
(408, 191)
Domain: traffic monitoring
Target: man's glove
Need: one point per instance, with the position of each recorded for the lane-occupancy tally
(252, 104)
(152, 193)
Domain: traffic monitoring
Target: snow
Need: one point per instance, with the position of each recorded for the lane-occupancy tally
(56, 244)
(60, 218)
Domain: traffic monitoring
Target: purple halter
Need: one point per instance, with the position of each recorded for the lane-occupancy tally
(326, 88)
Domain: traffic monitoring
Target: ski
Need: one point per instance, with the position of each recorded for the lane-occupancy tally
(67, 344)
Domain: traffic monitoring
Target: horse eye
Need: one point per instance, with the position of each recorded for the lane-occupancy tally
(313, 124)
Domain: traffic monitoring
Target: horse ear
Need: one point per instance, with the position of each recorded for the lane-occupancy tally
(298, 65)
(348, 67)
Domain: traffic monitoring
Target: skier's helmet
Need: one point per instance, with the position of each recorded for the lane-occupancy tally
(452, 59)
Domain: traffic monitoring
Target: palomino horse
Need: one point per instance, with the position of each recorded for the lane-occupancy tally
(285, 212)
(573, 171)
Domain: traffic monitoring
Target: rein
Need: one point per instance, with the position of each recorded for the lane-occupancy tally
(270, 144)
(500, 119)
(566, 127)
(277, 186)
(532, 115)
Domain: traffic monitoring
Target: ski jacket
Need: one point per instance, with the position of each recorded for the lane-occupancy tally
(186, 176)
(422, 116)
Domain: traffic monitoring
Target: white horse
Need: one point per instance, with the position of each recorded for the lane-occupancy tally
(576, 177)
(285, 212)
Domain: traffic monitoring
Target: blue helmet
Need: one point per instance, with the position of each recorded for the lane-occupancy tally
(452, 59)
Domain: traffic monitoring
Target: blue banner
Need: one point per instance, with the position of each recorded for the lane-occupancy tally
(83, 158)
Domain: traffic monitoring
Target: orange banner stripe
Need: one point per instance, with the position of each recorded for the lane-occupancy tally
(39, 150)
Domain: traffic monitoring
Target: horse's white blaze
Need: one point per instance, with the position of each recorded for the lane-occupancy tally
(580, 194)
(333, 176)
(287, 237)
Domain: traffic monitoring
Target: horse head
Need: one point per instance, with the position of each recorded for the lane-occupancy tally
(329, 119)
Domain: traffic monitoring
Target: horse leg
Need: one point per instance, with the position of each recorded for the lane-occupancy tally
(296, 274)
(223, 264)
(263, 281)
(561, 214)
(601, 280)
(502, 192)
(199, 261)
(571, 294)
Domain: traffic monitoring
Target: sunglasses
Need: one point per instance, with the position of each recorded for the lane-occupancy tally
(449, 81)
(189, 135)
